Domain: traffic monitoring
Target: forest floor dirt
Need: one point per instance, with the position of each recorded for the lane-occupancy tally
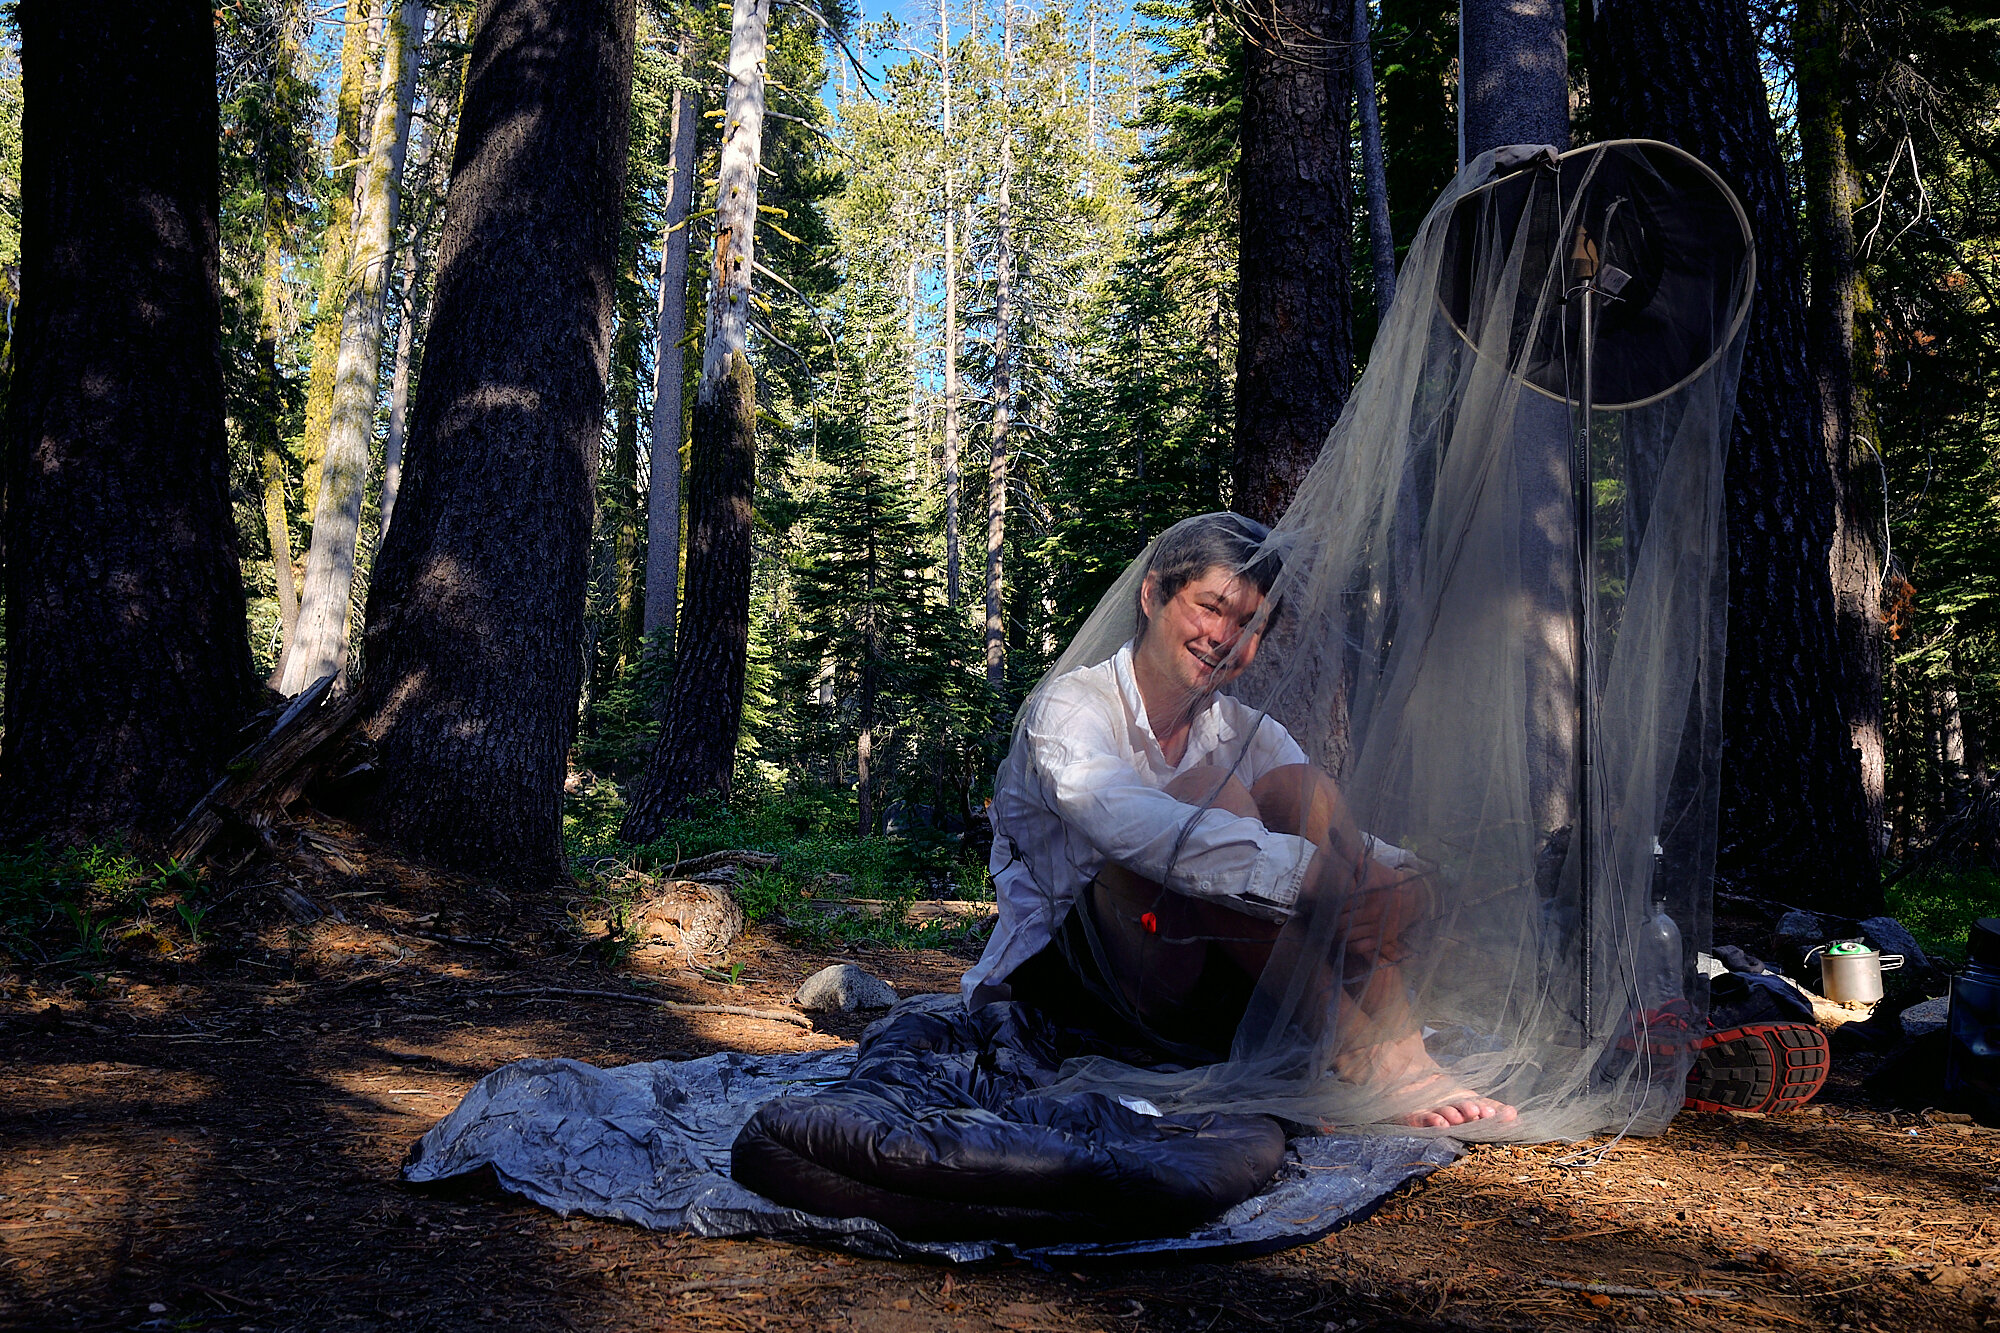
(214, 1144)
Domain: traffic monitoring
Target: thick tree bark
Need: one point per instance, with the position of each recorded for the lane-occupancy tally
(475, 623)
(1513, 75)
(1374, 169)
(1839, 300)
(663, 502)
(326, 603)
(337, 248)
(696, 753)
(1295, 338)
(128, 663)
(1792, 810)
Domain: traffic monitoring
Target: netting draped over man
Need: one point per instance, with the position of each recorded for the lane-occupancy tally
(1447, 837)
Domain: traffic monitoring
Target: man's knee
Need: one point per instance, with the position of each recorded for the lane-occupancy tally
(1213, 788)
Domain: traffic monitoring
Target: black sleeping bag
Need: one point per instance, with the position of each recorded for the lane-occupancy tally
(941, 1133)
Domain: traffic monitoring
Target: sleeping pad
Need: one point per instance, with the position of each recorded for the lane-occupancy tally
(942, 1132)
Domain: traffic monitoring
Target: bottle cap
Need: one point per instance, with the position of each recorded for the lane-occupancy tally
(1983, 947)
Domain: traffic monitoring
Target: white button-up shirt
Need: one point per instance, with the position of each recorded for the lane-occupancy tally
(1082, 786)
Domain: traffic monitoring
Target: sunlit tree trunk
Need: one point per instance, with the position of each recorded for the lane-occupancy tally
(337, 246)
(696, 753)
(326, 604)
(1513, 75)
(270, 410)
(128, 662)
(1842, 369)
(916, 380)
(475, 615)
(952, 570)
(409, 302)
(1003, 386)
(1792, 810)
(663, 505)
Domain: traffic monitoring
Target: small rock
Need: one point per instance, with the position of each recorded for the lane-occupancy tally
(1796, 933)
(844, 988)
(1887, 934)
(1926, 1017)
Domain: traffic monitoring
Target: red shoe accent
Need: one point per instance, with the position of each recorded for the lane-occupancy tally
(1769, 1067)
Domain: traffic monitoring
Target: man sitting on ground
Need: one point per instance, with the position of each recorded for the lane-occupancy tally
(1152, 836)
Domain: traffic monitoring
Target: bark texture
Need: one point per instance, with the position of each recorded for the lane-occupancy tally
(475, 620)
(1295, 341)
(1840, 301)
(696, 754)
(1792, 815)
(128, 664)
(1513, 75)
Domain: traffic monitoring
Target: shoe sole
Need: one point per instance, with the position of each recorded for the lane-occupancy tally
(1768, 1067)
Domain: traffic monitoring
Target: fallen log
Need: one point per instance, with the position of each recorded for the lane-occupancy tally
(264, 770)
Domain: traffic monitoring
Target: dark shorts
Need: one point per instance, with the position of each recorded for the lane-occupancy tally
(1069, 979)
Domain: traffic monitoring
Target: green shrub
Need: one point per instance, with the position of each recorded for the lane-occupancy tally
(1939, 907)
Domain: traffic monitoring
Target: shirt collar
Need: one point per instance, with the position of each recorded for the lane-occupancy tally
(1209, 732)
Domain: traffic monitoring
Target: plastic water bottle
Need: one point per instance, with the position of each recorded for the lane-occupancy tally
(1660, 948)
(1972, 1056)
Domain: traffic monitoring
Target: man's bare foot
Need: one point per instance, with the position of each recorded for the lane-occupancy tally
(1459, 1108)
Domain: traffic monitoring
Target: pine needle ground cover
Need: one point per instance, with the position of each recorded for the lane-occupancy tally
(210, 1139)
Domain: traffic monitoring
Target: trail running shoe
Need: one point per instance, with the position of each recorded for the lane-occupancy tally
(1768, 1067)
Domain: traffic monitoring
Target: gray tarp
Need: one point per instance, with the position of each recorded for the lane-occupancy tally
(649, 1143)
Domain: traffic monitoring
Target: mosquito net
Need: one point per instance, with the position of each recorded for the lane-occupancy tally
(1412, 797)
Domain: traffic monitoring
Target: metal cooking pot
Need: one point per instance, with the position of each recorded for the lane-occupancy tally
(1851, 973)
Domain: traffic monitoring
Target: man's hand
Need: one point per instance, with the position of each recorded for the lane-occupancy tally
(1375, 904)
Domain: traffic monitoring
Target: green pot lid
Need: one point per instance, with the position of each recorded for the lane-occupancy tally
(1847, 947)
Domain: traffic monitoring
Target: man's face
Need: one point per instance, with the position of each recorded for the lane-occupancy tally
(1198, 637)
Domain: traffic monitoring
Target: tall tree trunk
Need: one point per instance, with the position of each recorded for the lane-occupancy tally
(327, 604)
(270, 410)
(1792, 810)
(910, 433)
(696, 754)
(953, 573)
(663, 504)
(1514, 88)
(1003, 387)
(1513, 75)
(475, 617)
(871, 685)
(337, 247)
(629, 593)
(1839, 301)
(128, 663)
(1295, 340)
(1374, 169)
(407, 319)
(409, 301)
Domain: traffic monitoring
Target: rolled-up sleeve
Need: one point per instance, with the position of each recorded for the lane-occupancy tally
(1098, 793)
